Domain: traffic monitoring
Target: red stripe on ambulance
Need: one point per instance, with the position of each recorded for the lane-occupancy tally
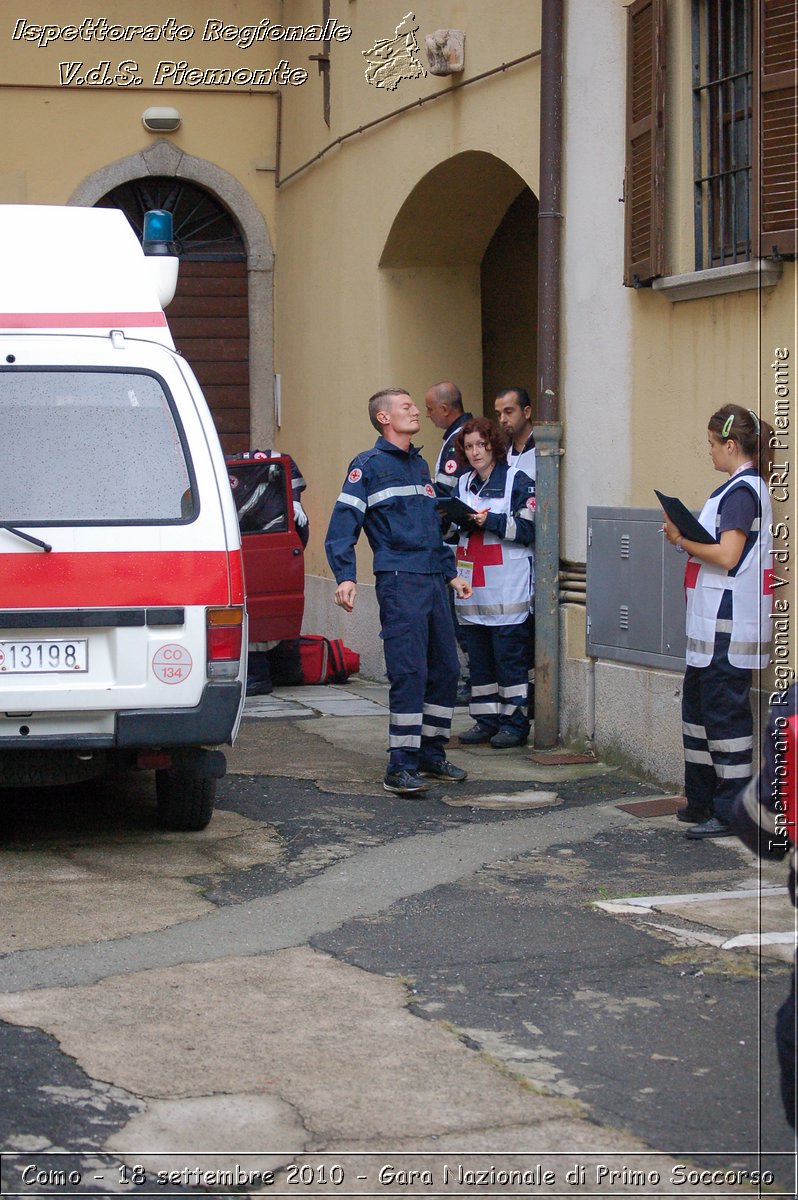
(82, 320)
(104, 579)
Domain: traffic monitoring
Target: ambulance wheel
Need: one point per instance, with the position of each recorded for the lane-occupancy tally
(184, 802)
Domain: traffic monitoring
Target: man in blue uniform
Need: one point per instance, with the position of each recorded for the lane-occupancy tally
(444, 405)
(514, 414)
(389, 493)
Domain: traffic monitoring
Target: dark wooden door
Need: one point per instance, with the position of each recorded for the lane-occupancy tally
(209, 316)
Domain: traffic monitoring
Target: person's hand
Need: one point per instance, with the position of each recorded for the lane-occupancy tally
(479, 518)
(670, 530)
(345, 595)
(462, 588)
(300, 516)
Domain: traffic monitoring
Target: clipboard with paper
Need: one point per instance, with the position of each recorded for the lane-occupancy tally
(684, 520)
(456, 511)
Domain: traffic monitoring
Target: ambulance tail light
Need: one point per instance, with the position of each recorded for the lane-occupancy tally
(224, 641)
(161, 253)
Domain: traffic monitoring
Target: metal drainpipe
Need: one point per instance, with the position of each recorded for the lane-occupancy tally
(548, 431)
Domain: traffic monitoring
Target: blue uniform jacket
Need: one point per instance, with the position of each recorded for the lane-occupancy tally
(521, 516)
(389, 493)
(448, 469)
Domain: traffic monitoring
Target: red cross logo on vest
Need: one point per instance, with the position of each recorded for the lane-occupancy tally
(476, 552)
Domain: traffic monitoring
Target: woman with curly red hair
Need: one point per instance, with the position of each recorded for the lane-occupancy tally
(494, 555)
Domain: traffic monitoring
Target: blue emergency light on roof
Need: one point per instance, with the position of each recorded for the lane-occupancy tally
(158, 233)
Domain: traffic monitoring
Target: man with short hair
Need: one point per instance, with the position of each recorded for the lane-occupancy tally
(514, 414)
(389, 493)
(444, 405)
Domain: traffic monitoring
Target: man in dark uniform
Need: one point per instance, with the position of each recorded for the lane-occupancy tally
(444, 405)
(514, 414)
(389, 493)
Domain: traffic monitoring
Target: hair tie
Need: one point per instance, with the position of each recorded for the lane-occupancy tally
(755, 418)
(726, 430)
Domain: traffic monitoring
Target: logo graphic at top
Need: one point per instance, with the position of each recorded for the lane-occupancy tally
(390, 60)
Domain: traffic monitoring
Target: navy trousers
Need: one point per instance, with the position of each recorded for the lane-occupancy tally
(785, 1045)
(497, 660)
(421, 663)
(717, 732)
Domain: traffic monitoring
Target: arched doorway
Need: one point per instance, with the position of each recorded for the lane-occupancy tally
(459, 271)
(163, 160)
(209, 314)
(509, 285)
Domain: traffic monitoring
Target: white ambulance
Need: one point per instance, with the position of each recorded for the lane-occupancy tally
(122, 621)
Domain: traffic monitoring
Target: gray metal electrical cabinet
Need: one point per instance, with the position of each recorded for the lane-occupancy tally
(635, 589)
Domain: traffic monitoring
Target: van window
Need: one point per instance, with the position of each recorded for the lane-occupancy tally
(90, 446)
(259, 493)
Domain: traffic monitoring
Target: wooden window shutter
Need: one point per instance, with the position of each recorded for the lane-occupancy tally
(775, 206)
(644, 184)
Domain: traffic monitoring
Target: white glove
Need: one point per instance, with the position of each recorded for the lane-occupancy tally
(300, 516)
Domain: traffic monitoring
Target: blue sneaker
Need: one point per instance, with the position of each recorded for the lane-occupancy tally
(443, 769)
(404, 782)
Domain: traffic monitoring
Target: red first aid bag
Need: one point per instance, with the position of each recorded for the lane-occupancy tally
(326, 660)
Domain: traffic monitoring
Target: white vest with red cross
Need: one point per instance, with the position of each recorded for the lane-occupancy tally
(497, 569)
(751, 588)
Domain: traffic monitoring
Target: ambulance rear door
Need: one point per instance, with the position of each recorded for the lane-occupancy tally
(274, 567)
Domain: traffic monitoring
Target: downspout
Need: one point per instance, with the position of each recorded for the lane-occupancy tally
(548, 431)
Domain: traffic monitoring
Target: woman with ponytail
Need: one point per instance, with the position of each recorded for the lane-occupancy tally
(728, 583)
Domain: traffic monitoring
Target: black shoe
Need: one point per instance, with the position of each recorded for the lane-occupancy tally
(259, 687)
(476, 734)
(506, 740)
(443, 769)
(404, 782)
(711, 828)
(463, 698)
(692, 816)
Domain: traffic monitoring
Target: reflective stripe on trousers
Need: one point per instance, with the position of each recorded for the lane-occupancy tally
(717, 732)
(421, 663)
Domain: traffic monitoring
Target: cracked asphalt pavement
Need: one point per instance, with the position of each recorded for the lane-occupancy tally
(512, 974)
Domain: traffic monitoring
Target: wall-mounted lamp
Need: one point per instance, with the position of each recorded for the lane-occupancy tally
(161, 120)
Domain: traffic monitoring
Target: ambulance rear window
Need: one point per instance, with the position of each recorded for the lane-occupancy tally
(91, 446)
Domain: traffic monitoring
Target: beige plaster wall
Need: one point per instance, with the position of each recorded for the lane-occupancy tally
(359, 326)
(54, 136)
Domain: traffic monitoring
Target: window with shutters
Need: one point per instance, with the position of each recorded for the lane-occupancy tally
(722, 130)
(744, 58)
(644, 185)
(775, 199)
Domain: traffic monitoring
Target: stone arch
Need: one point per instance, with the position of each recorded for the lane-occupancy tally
(164, 158)
(464, 242)
(453, 211)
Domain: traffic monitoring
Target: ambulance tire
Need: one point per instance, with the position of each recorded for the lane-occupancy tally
(185, 803)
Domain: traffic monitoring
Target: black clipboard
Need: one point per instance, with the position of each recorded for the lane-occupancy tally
(684, 520)
(454, 510)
